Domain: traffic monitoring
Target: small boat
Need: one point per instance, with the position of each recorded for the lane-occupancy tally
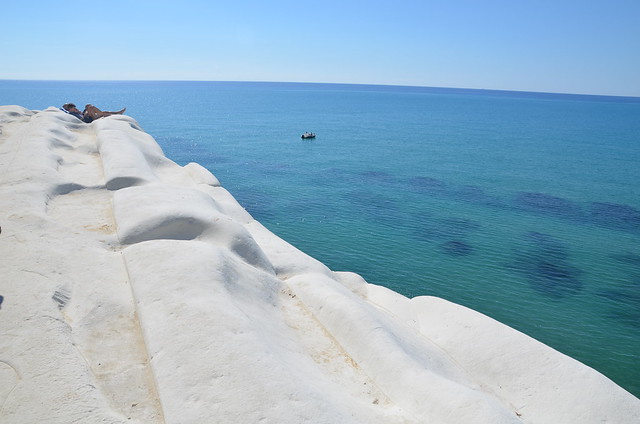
(308, 135)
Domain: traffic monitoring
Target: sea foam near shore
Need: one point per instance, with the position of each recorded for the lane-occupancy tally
(137, 290)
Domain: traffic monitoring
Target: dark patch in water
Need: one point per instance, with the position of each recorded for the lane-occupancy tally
(456, 248)
(544, 203)
(544, 261)
(427, 184)
(615, 216)
(555, 279)
(1, 300)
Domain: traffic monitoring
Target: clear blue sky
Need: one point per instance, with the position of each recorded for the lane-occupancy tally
(568, 46)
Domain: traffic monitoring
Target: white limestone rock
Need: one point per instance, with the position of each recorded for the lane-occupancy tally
(201, 175)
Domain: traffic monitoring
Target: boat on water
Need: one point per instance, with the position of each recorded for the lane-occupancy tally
(308, 135)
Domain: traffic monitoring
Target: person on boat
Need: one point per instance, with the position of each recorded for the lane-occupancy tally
(90, 113)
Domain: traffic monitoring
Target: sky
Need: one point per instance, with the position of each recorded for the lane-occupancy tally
(561, 46)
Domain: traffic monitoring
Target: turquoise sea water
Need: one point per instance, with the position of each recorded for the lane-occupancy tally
(523, 206)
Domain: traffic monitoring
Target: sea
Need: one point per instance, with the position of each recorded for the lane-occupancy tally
(523, 206)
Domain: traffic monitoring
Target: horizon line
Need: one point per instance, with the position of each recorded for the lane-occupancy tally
(497, 90)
